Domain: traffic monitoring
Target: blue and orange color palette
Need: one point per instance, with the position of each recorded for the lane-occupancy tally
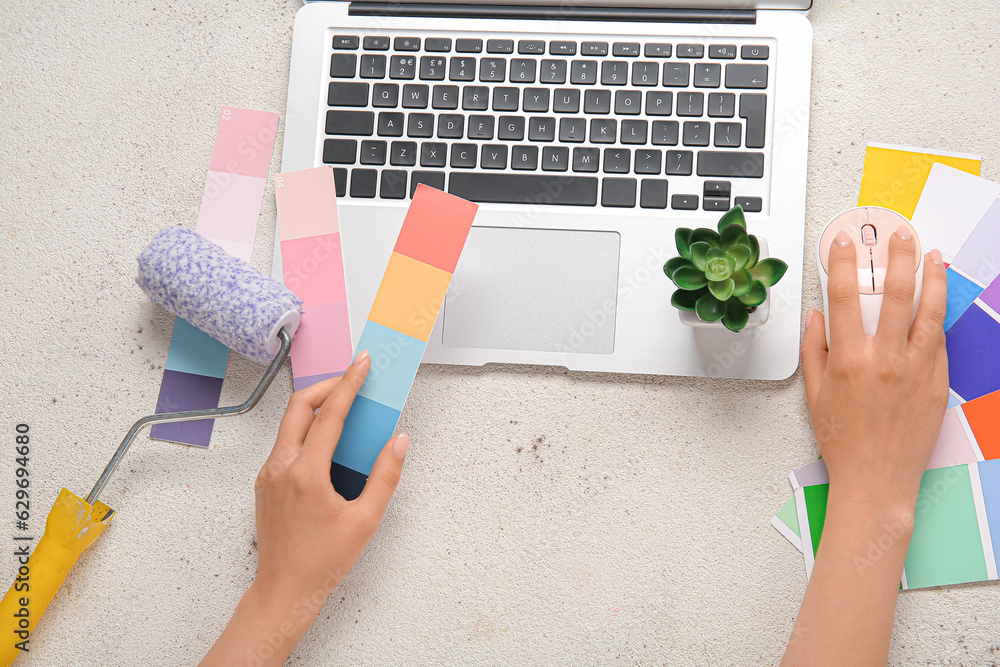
(230, 207)
(313, 267)
(399, 324)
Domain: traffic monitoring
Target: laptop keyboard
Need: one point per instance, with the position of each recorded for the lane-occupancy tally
(615, 124)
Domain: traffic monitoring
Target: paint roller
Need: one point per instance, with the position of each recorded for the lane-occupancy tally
(224, 297)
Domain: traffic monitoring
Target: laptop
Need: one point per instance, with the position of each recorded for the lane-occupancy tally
(588, 132)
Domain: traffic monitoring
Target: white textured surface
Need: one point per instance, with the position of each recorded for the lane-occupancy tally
(543, 517)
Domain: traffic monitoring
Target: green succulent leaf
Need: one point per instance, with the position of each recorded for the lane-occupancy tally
(733, 216)
(754, 245)
(742, 281)
(709, 309)
(686, 299)
(756, 295)
(699, 254)
(674, 264)
(688, 277)
(732, 235)
(769, 271)
(722, 289)
(718, 265)
(682, 237)
(741, 254)
(736, 316)
(707, 235)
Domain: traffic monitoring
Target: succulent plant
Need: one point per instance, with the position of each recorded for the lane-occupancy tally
(719, 275)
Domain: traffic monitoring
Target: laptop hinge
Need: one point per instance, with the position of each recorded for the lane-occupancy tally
(554, 12)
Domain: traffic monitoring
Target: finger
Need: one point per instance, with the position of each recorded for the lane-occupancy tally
(842, 289)
(927, 333)
(900, 282)
(321, 441)
(385, 474)
(295, 424)
(814, 354)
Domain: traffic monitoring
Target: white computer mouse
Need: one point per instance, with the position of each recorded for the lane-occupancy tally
(871, 228)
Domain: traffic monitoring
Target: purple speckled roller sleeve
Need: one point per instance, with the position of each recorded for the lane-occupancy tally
(223, 296)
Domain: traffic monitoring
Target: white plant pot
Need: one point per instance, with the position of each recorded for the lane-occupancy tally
(757, 317)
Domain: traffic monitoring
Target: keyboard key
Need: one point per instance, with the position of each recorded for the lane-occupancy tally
(416, 96)
(696, 134)
(444, 97)
(522, 70)
(586, 159)
(566, 100)
(614, 73)
(679, 163)
(350, 122)
(541, 128)
(437, 44)
(618, 192)
(406, 43)
(617, 160)
(494, 156)
(755, 52)
(393, 184)
(722, 51)
(500, 46)
(372, 67)
(451, 126)
(562, 48)
(594, 49)
(475, 98)
(385, 95)
(340, 151)
(481, 127)
(659, 103)
(463, 69)
(684, 202)
(718, 188)
(376, 43)
(434, 179)
(658, 50)
(536, 100)
(707, 75)
(343, 65)
(373, 151)
(553, 71)
(746, 76)
(363, 183)
(505, 99)
(403, 154)
(526, 46)
(603, 130)
(665, 132)
(597, 101)
(676, 74)
(420, 125)
(432, 154)
(583, 72)
(715, 203)
(690, 51)
(403, 67)
(749, 204)
(432, 68)
(463, 156)
(690, 104)
(634, 131)
(524, 188)
(721, 105)
(469, 45)
(347, 94)
(340, 181)
(573, 130)
(731, 164)
(752, 108)
(390, 124)
(645, 73)
(627, 102)
(555, 158)
(728, 135)
(345, 41)
(626, 49)
(511, 128)
(653, 193)
(524, 158)
(648, 161)
(493, 69)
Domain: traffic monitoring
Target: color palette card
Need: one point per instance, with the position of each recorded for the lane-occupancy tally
(951, 205)
(313, 267)
(406, 307)
(976, 265)
(230, 206)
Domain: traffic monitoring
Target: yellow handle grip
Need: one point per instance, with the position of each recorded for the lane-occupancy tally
(70, 528)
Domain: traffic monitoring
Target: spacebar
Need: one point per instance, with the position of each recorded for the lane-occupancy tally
(524, 188)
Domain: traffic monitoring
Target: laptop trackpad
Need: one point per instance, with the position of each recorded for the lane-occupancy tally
(534, 289)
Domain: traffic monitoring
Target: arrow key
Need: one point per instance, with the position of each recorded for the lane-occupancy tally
(746, 76)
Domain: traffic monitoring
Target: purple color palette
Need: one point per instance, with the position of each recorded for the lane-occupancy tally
(186, 391)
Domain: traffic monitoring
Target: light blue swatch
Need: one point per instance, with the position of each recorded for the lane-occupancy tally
(395, 359)
(194, 351)
(962, 292)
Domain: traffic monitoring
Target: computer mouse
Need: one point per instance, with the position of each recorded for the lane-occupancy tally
(870, 227)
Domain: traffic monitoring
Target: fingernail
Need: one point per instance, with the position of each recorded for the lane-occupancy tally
(809, 317)
(362, 355)
(400, 445)
(843, 239)
(904, 233)
(936, 256)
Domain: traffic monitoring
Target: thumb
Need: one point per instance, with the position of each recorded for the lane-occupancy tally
(814, 354)
(385, 474)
